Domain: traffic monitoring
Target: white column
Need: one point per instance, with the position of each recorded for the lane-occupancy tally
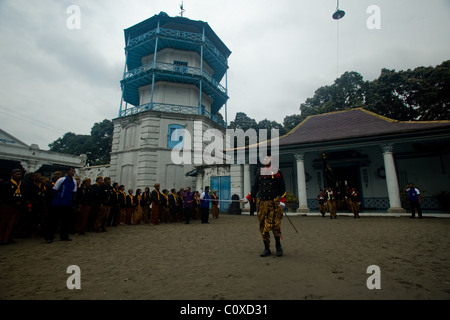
(391, 180)
(199, 181)
(247, 185)
(301, 183)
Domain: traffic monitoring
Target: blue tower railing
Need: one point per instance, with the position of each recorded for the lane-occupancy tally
(173, 108)
(159, 32)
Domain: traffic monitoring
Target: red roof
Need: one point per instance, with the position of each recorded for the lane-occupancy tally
(352, 124)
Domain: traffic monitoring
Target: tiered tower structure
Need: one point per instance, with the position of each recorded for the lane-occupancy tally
(173, 71)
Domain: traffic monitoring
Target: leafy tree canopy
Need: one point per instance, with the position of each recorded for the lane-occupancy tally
(97, 145)
(419, 94)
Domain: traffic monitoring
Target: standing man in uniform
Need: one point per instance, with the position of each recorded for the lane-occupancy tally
(322, 202)
(12, 205)
(64, 191)
(95, 190)
(156, 205)
(107, 198)
(188, 204)
(356, 202)
(414, 200)
(331, 202)
(215, 204)
(270, 193)
(204, 205)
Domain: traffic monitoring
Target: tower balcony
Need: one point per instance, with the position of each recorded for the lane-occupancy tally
(143, 75)
(172, 108)
(145, 44)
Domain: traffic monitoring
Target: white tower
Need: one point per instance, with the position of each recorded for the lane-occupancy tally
(172, 78)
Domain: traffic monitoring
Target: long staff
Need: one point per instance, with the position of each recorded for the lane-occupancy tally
(285, 213)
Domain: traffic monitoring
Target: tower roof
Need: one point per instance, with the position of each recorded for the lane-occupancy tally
(176, 23)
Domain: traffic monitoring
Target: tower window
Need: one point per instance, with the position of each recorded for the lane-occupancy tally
(180, 66)
(175, 136)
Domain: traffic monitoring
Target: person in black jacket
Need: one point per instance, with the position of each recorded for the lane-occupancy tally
(12, 205)
(84, 203)
(106, 198)
(270, 193)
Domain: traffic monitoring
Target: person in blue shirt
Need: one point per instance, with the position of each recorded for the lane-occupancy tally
(62, 206)
(204, 205)
(414, 200)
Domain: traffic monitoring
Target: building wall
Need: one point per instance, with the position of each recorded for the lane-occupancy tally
(140, 156)
(173, 93)
(169, 55)
(93, 172)
(430, 174)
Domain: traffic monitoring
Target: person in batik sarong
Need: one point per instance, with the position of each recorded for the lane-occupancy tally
(270, 192)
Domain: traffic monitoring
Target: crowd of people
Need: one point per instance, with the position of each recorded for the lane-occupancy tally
(330, 200)
(35, 206)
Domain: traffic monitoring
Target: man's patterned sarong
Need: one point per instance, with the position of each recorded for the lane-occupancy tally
(269, 215)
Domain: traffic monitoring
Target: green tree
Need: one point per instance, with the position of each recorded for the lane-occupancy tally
(388, 96)
(419, 94)
(96, 146)
(244, 122)
(348, 91)
(290, 122)
(433, 92)
(101, 134)
(71, 143)
(269, 125)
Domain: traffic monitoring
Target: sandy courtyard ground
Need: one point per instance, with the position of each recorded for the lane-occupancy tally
(328, 259)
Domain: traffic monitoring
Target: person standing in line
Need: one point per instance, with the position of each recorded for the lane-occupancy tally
(196, 212)
(215, 205)
(165, 216)
(188, 202)
(95, 190)
(64, 191)
(107, 195)
(84, 201)
(138, 211)
(331, 202)
(122, 205)
(348, 201)
(322, 202)
(115, 210)
(180, 199)
(173, 205)
(12, 205)
(204, 205)
(156, 205)
(356, 202)
(415, 199)
(130, 206)
(146, 202)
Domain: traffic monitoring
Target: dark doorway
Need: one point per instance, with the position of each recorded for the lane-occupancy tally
(346, 176)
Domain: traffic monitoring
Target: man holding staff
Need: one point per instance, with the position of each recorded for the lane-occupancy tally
(270, 192)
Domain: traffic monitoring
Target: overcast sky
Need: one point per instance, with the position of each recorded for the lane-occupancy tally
(55, 79)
